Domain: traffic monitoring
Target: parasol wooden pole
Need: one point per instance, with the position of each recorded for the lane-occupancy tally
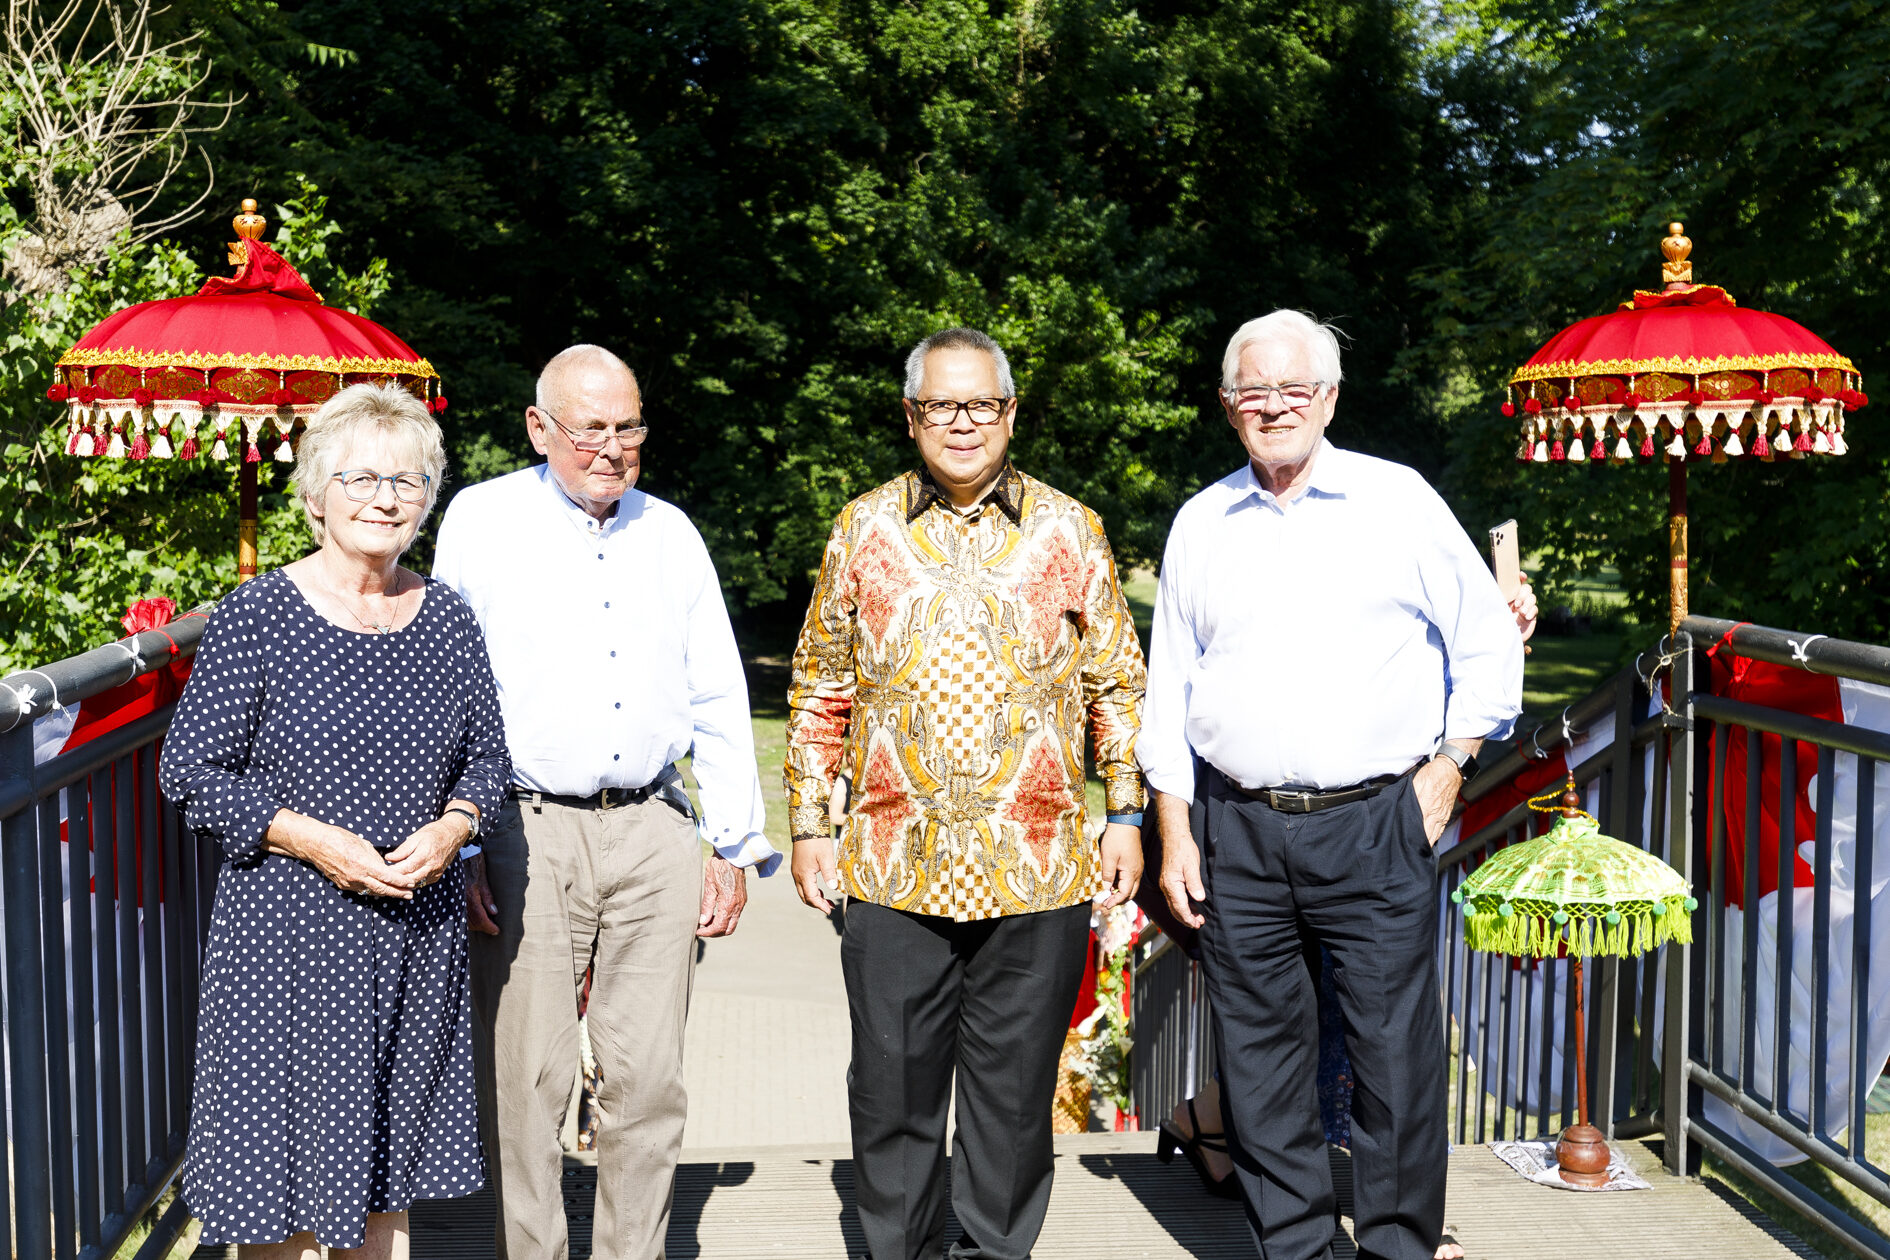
(246, 521)
(1676, 544)
(1581, 1155)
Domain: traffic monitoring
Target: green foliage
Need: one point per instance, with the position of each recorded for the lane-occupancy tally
(1762, 126)
(85, 538)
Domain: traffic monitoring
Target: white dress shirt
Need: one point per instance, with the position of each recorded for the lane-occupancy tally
(611, 645)
(1325, 640)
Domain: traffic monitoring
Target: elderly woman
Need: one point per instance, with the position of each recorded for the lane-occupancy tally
(340, 738)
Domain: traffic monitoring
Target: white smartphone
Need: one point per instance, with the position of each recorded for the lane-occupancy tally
(1506, 558)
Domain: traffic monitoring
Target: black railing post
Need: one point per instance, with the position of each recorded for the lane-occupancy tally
(26, 1012)
(1678, 1097)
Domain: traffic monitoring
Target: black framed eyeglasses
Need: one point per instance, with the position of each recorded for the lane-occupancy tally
(940, 412)
(1293, 395)
(592, 441)
(362, 484)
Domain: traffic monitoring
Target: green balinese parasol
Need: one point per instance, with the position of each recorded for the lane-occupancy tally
(1578, 891)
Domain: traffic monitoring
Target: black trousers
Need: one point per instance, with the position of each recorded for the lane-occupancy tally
(1361, 879)
(990, 1001)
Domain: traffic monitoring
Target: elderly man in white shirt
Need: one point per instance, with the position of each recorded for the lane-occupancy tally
(1329, 654)
(614, 658)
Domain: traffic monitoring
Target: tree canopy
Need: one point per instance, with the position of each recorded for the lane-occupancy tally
(761, 204)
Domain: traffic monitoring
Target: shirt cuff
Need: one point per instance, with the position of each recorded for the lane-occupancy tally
(753, 850)
(1178, 783)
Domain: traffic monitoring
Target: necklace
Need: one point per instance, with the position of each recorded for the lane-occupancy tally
(378, 627)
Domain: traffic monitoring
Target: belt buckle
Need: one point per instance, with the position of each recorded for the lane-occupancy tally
(603, 798)
(1293, 802)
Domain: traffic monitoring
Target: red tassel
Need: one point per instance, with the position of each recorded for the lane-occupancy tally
(1633, 400)
(1813, 395)
(1647, 447)
(1804, 441)
(189, 449)
(1532, 406)
(72, 443)
(87, 395)
(252, 455)
(1761, 449)
(143, 397)
(439, 404)
(1573, 403)
(58, 393)
(1705, 447)
(1556, 453)
(140, 448)
(282, 398)
(1863, 399)
(1509, 408)
(1696, 399)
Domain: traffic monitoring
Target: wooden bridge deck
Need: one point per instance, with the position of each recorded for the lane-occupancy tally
(1114, 1199)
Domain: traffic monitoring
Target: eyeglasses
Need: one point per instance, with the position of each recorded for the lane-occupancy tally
(593, 440)
(362, 484)
(939, 412)
(1293, 395)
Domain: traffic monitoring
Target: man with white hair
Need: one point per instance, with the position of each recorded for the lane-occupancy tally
(1329, 654)
(614, 658)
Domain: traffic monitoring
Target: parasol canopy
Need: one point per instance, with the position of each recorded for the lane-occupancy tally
(1683, 374)
(243, 360)
(1576, 889)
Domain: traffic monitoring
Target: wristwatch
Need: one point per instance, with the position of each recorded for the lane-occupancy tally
(471, 818)
(1465, 762)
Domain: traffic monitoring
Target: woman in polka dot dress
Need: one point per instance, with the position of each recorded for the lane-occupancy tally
(340, 738)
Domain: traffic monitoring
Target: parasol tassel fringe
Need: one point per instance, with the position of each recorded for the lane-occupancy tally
(1733, 446)
(161, 444)
(116, 446)
(140, 448)
(221, 450)
(189, 449)
(1760, 448)
(1838, 445)
(1819, 444)
(285, 452)
(252, 455)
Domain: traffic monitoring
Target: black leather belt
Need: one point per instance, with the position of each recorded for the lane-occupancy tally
(1309, 801)
(607, 798)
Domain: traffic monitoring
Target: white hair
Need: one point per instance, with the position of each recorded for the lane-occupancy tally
(364, 411)
(958, 339)
(551, 396)
(1320, 341)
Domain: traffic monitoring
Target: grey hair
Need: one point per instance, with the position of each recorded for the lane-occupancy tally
(550, 396)
(958, 339)
(1321, 343)
(385, 411)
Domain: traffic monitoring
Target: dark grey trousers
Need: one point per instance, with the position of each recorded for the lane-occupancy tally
(990, 1001)
(1361, 879)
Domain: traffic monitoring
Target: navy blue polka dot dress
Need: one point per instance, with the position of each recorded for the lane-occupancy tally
(334, 1041)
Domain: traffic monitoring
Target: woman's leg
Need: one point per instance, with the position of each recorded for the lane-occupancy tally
(1207, 1106)
(386, 1239)
(300, 1246)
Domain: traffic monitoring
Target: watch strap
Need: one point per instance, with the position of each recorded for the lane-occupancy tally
(471, 818)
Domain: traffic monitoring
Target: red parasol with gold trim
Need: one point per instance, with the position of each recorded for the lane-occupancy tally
(1684, 375)
(230, 372)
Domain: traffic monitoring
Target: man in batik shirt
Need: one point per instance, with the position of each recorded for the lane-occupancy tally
(966, 625)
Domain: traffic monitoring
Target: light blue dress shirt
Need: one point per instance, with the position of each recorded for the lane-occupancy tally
(612, 648)
(1325, 640)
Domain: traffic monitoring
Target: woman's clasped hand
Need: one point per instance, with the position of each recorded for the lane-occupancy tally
(353, 865)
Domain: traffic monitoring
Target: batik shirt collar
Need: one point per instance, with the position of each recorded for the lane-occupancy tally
(923, 492)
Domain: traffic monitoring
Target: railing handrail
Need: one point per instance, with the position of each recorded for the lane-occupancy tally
(30, 693)
(1815, 653)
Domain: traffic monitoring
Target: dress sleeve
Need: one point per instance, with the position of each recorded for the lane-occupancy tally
(482, 767)
(205, 768)
(1114, 677)
(820, 692)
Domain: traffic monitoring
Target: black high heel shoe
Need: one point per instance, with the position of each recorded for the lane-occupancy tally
(1171, 1141)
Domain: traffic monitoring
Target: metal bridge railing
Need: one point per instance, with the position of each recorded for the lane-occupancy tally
(1759, 1030)
(105, 898)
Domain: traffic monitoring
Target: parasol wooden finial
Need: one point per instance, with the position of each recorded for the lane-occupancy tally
(1571, 801)
(1676, 271)
(249, 227)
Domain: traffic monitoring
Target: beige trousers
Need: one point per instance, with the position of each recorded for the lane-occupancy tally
(618, 890)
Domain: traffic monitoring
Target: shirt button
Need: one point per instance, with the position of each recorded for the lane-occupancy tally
(613, 651)
(600, 555)
(620, 704)
(616, 756)
(606, 603)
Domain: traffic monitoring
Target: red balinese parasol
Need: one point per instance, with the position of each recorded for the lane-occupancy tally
(213, 374)
(1683, 375)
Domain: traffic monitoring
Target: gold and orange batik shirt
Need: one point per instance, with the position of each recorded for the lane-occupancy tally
(947, 667)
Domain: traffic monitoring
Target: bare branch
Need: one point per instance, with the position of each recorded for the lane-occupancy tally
(106, 118)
